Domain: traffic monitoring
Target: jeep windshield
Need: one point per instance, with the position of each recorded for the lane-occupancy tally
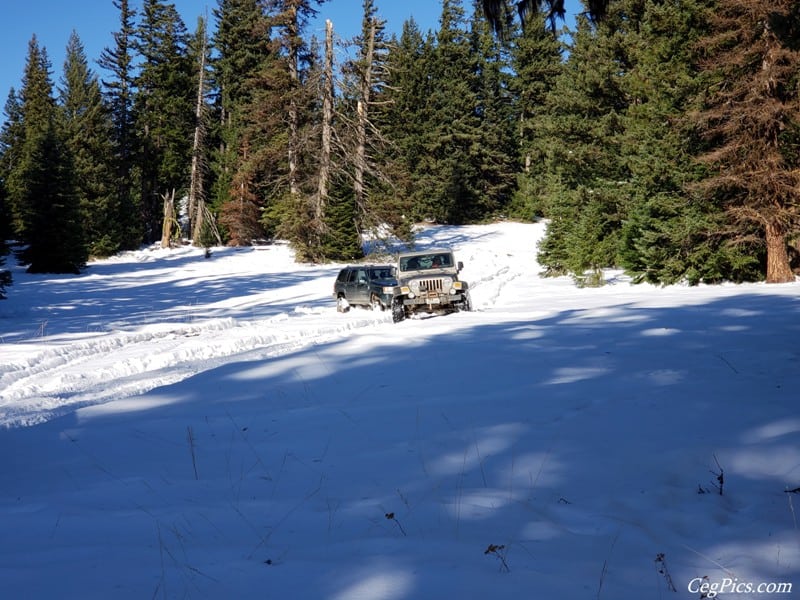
(421, 262)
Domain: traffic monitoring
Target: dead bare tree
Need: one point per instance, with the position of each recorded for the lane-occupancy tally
(362, 104)
(325, 159)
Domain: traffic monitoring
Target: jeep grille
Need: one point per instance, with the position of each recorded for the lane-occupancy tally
(430, 285)
(438, 285)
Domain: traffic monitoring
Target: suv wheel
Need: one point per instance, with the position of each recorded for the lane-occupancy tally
(375, 302)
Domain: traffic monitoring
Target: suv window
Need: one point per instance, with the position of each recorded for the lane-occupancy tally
(342, 276)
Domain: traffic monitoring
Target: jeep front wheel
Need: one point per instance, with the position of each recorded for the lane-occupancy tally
(398, 311)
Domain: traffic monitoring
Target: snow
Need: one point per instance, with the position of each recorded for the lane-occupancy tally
(182, 427)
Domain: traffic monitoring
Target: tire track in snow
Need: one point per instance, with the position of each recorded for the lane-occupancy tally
(52, 382)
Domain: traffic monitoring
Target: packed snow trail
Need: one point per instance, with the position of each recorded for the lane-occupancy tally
(136, 348)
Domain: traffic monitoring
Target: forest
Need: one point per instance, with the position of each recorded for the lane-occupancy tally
(658, 136)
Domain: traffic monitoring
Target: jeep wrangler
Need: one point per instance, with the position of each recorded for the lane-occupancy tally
(428, 282)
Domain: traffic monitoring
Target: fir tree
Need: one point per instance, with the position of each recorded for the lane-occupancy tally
(88, 130)
(164, 110)
(119, 90)
(537, 57)
(586, 188)
(671, 234)
(445, 174)
(41, 183)
(751, 119)
(5, 233)
(402, 113)
(243, 49)
(495, 155)
(11, 140)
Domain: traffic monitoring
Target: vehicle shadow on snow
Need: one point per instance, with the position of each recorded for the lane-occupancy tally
(559, 438)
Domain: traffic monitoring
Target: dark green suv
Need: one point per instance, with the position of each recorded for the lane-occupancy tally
(372, 286)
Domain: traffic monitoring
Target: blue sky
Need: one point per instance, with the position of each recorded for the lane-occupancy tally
(52, 21)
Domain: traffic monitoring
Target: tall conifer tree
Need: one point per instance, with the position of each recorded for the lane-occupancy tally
(751, 121)
(119, 89)
(88, 130)
(41, 184)
(243, 49)
(164, 110)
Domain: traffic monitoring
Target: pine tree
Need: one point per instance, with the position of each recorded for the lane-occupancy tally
(368, 156)
(293, 195)
(12, 136)
(164, 110)
(751, 120)
(88, 129)
(586, 188)
(495, 155)
(41, 183)
(402, 112)
(671, 234)
(119, 91)
(537, 56)
(445, 174)
(241, 67)
(5, 234)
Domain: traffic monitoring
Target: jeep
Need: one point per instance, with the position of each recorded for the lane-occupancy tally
(372, 286)
(429, 282)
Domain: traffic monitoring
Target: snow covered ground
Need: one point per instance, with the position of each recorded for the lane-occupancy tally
(181, 427)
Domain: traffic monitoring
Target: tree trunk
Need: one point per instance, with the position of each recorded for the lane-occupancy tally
(169, 219)
(361, 124)
(197, 210)
(294, 75)
(327, 120)
(778, 266)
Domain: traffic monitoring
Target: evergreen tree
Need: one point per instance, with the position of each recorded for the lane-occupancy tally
(751, 120)
(501, 16)
(11, 139)
(243, 49)
(88, 130)
(445, 175)
(586, 194)
(119, 90)
(164, 110)
(367, 154)
(495, 155)
(537, 57)
(671, 234)
(402, 112)
(294, 193)
(5, 232)
(41, 182)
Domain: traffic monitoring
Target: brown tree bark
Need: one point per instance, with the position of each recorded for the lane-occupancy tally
(778, 269)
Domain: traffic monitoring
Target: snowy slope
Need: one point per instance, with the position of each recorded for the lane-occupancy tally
(177, 427)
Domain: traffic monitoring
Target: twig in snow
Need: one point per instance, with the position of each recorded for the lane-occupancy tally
(499, 552)
(661, 567)
(190, 439)
(391, 517)
(605, 564)
(719, 475)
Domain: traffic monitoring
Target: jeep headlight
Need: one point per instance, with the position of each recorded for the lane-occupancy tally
(388, 290)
